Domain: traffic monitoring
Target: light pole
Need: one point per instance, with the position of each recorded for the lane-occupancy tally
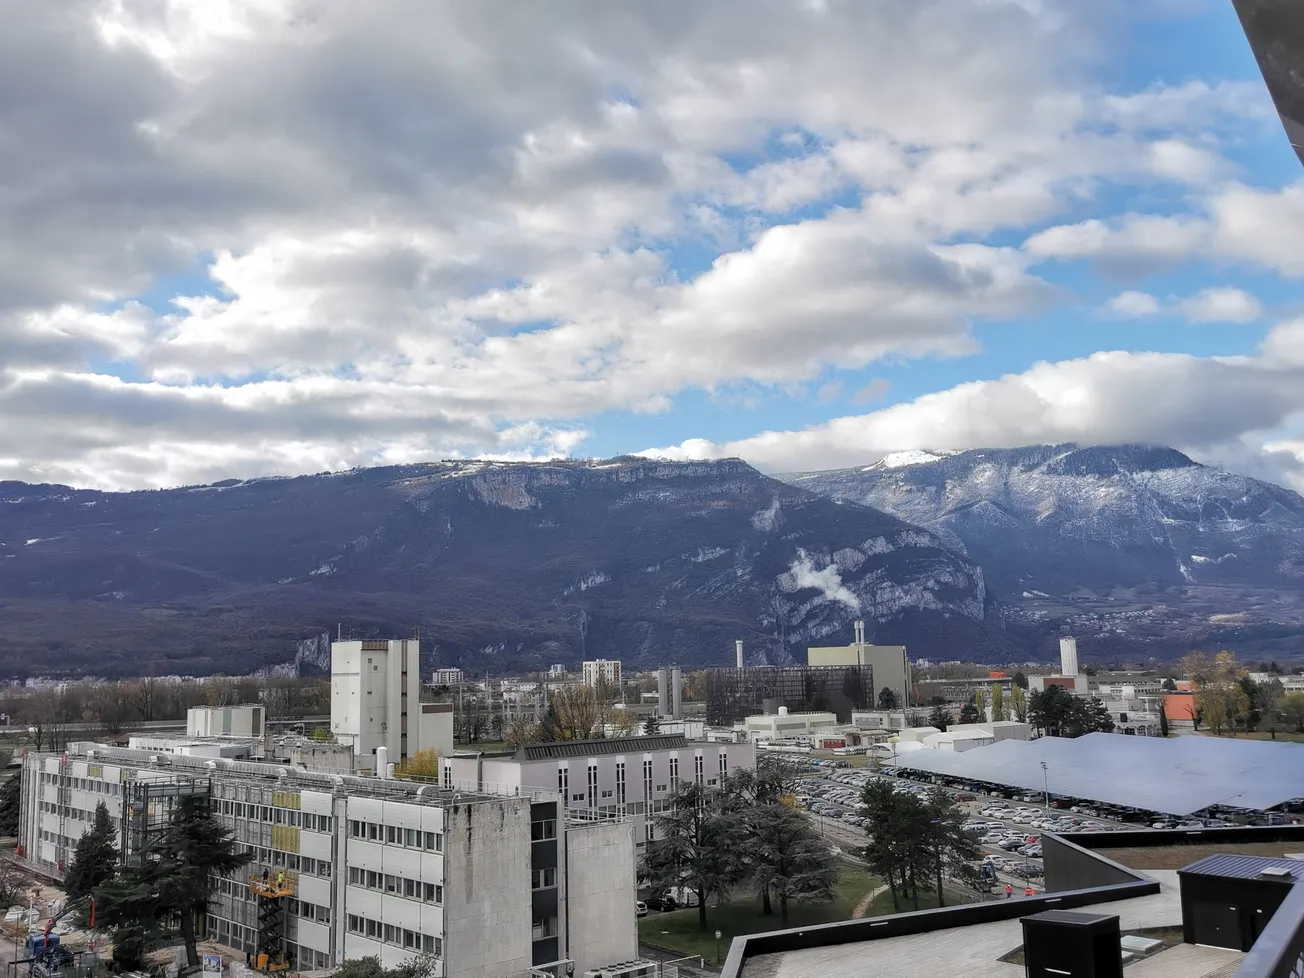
(718, 935)
(1045, 778)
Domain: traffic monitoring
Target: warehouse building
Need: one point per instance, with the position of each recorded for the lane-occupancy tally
(487, 883)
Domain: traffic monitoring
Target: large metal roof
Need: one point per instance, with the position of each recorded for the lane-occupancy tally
(1275, 29)
(1176, 775)
(1232, 865)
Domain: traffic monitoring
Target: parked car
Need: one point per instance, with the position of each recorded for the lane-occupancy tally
(662, 902)
(640, 908)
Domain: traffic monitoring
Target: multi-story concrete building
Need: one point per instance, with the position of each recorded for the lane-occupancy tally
(376, 702)
(598, 672)
(449, 676)
(783, 724)
(890, 664)
(487, 883)
(617, 777)
(248, 720)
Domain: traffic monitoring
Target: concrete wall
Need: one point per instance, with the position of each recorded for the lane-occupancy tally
(889, 662)
(600, 893)
(225, 721)
(434, 728)
(487, 890)
(1069, 867)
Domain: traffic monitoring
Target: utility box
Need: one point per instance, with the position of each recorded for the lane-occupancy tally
(1066, 944)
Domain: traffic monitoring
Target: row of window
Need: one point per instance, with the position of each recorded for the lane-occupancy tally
(310, 911)
(276, 816)
(400, 936)
(81, 814)
(397, 885)
(304, 865)
(111, 788)
(234, 935)
(393, 835)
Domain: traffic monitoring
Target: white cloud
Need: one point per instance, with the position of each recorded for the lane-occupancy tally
(1213, 407)
(1132, 305)
(1222, 304)
(396, 230)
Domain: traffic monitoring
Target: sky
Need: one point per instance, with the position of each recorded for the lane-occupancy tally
(258, 237)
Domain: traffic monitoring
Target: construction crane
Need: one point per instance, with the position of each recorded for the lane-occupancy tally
(271, 892)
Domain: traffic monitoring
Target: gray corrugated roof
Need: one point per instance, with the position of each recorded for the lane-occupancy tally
(1177, 775)
(591, 748)
(1235, 866)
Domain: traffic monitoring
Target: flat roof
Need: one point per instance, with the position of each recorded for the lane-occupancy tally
(1230, 865)
(591, 748)
(1176, 775)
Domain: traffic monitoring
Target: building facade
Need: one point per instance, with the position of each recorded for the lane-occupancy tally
(734, 694)
(629, 777)
(601, 672)
(376, 702)
(485, 884)
(249, 720)
(889, 664)
(777, 726)
(448, 676)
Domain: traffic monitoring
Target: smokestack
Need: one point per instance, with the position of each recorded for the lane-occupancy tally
(738, 653)
(676, 694)
(663, 692)
(860, 632)
(1069, 656)
(382, 761)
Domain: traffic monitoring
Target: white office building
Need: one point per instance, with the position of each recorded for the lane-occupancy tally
(628, 777)
(784, 725)
(376, 702)
(598, 672)
(245, 721)
(449, 676)
(487, 884)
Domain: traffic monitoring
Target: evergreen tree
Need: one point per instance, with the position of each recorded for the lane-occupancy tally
(951, 845)
(1163, 721)
(95, 860)
(969, 714)
(172, 881)
(1019, 680)
(652, 725)
(10, 792)
(699, 844)
(788, 859)
(887, 698)
(940, 717)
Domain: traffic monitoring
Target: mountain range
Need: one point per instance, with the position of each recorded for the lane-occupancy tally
(980, 555)
(501, 566)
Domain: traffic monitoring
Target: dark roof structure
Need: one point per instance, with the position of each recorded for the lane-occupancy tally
(1275, 29)
(591, 748)
(1229, 865)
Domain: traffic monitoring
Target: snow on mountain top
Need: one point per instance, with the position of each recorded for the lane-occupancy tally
(898, 460)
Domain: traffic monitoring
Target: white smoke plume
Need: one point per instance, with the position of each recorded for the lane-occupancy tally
(826, 579)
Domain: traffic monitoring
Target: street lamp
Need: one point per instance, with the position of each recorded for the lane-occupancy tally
(1045, 776)
(718, 935)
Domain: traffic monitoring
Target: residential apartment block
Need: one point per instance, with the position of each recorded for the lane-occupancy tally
(487, 883)
(598, 672)
(625, 777)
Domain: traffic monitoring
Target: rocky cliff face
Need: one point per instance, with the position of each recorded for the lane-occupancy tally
(1055, 518)
(503, 566)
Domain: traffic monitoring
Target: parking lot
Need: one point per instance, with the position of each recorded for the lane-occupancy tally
(1008, 831)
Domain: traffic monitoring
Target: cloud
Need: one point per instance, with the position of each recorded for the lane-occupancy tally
(1214, 407)
(285, 235)
(802, 575)
(875, 390)
(1222, 305)
(1218, 304)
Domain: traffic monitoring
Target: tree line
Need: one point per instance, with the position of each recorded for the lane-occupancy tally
(1228, 699)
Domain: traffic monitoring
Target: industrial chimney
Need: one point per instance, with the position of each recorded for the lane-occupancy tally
(738, 653)
(1069, 656)
(676, 694)
(663, 692)
(860, 632)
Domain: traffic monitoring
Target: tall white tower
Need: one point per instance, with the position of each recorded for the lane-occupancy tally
(738, 653)
(1068, 656)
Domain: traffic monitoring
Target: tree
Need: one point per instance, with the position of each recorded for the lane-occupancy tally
(1051, 710)
(940, 717)
(788, 859)
(887, 852)
(1292, 708)
(1169, 685)
(912, 840)
(887, 698)
(624, 721)
(1019, 703)
(421, 764)
(173, 879)
(10, 794)
(1019, 680)
(1092, 716)
(1163, 721)
(698, 844)
(951, 844)
(651, 724)
(969, 713)
(998, 703)
(1212, 703)
(95, 860)
(577, 712)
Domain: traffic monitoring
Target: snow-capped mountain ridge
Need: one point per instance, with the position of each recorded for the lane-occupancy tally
(1058, 517)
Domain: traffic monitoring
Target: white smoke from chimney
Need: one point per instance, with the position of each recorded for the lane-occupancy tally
(826, 579)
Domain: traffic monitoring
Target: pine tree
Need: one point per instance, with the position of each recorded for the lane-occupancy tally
(969, 713)
(651, 725)
(10, 793)
(172, 880)
(789, 860)
(700, 842)
(95, 860)
(940, 717)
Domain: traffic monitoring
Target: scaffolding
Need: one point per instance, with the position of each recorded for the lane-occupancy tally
(271, 892)
(147, 806)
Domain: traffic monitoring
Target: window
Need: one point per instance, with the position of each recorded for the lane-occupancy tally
(563, 782)
(697, 768)
(620, 782)
(593, 785)
(724, 765)
(674, 769)
(647, 780)
(544, 878)
(544, 829)
(607, 794)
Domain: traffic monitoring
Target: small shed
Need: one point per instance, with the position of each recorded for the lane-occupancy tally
(1228, 899)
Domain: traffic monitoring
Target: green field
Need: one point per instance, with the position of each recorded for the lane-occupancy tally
(678, 932)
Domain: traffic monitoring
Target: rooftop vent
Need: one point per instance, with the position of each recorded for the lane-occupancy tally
(1277, 873)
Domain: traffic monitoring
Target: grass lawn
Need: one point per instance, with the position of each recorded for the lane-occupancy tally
(1288, 736)
(678, 931)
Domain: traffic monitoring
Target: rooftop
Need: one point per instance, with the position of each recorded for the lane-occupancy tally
(591, 748)
(1234, 865)
(1177, 775)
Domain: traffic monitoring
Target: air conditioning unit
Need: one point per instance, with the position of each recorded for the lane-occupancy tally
(625, 969)
(1277, 873)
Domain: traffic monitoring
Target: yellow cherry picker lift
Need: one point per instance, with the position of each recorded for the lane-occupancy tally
(271, 891)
